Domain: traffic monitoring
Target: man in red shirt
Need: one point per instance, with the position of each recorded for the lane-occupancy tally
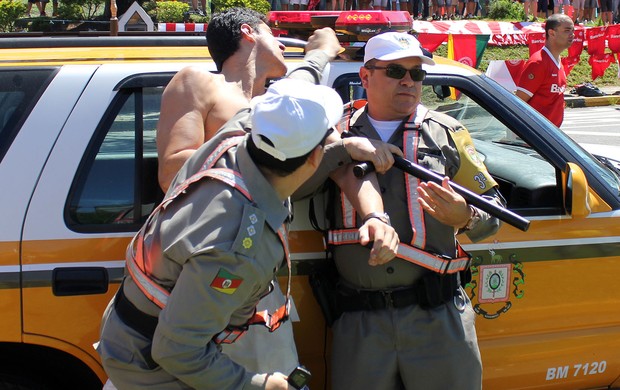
(543, 80)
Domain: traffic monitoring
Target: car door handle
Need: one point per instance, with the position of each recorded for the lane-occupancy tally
(68, 281)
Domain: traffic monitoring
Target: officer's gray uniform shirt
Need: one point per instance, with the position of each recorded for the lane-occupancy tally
(210, 229)
(352, 260)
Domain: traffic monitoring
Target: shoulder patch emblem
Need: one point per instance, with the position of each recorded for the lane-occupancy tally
(225, 282)
(471, 151)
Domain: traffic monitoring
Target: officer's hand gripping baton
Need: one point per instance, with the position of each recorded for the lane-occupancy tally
(363, 168)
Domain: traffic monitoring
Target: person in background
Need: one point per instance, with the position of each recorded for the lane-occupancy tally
(39, 7)
(543, 80)
(578, 6)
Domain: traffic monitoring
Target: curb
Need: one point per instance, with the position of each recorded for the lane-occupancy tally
(595, 101)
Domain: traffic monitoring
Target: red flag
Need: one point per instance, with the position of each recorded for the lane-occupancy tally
(613, 38)
(600, 63)
(535, 41)
(431, 41)
(467, 48)
(568, 63)
(576, 47)
(596, 40)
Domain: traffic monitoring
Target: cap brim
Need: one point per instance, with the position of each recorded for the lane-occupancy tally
(403, 54)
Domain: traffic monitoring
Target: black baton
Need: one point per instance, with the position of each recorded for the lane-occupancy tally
(363, 168)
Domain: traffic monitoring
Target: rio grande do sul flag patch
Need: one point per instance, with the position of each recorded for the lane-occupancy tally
(226, 282)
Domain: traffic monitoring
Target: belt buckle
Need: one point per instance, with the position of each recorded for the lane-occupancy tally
(387, 297)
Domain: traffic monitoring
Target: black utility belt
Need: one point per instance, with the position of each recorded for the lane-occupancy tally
(432, 290)
(133, 317)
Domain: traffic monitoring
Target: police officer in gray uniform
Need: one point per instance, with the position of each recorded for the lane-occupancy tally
(408, 323)
(210, 251)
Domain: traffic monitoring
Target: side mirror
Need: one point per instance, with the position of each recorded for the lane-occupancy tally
(576, 191)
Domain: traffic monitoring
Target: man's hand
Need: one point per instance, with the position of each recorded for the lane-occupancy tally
(325, 39)
(385, 239)
(377, 152)
(277, 381)
(444, 204)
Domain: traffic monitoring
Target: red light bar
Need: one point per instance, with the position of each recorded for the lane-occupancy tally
(365, 24)
(299, 19)
(357, 25)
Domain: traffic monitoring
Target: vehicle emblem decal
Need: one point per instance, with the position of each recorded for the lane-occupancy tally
(495, 283)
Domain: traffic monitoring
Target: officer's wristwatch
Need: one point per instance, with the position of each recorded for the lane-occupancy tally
(473, 219)
(383, 217)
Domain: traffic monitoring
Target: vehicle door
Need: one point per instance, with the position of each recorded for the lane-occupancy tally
(98, 185)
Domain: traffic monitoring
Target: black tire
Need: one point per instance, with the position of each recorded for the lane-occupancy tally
(19, 382)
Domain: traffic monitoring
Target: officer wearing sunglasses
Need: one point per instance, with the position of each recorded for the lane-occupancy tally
(407, 323)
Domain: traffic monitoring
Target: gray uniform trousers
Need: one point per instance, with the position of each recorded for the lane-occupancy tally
(425, 349)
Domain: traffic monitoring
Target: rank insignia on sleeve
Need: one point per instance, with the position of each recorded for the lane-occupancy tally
(226, 282)
(247, 243)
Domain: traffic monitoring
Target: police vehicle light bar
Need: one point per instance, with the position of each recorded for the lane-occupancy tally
(357, 25)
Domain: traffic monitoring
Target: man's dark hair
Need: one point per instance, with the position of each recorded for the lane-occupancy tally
(554, 21)
(224, 32)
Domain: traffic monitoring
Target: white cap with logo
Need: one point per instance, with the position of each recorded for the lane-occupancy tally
(292, 117)
(394, 46)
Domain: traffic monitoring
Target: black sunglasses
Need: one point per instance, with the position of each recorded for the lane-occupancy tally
(398, 72)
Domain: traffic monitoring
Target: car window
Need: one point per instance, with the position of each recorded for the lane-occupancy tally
(20, 89)
(531, 191)
(116, 186)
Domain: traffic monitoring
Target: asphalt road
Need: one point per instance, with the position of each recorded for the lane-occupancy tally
(593, 125)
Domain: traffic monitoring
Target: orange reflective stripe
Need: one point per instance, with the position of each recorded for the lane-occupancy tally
(416, 213)
(439, 264)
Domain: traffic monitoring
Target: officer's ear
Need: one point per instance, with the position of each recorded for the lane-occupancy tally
(314, 159)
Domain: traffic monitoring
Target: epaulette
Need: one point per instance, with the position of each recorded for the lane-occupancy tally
(250, 230)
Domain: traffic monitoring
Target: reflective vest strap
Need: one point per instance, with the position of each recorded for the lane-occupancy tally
(411, 139)
(343, 237)
(154, 292)
(439, 264)
(221, 149)
(348, 212)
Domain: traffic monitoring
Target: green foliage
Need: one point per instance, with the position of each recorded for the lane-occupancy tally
(80, 9)
(10, 11)
(506, 10)
(171, 11)
(262, 6)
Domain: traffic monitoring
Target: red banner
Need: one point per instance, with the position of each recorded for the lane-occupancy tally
(431, 41)
(596, 40)
(568, 63)
(535, 42)
(600, 63)
(576, 47)
(613, 38)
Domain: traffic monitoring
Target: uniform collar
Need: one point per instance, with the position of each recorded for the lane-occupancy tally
(263, 194)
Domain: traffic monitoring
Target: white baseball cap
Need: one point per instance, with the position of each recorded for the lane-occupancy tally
(394, 46)
(294, 116)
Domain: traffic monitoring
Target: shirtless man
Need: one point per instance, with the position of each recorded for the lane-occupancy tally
(197, 103)
(247, 55)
